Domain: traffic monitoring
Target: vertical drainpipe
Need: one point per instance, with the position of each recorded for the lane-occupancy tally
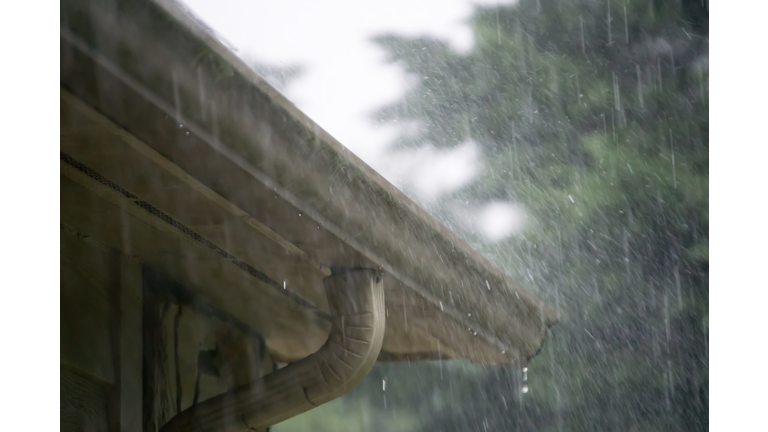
(356, 303)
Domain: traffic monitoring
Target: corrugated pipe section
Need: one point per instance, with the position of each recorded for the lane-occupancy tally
(356, 302)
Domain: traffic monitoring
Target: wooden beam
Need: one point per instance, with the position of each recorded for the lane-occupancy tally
(86, 131)
(87, 274)
(131, 352)
(82, 402)
(99, 211)
(102, 123)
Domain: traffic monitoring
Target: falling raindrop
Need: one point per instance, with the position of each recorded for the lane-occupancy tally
(672, 146)
(658, 72)
(201, 92)
(679, 290)
(176, 100)
(626, 26)
(608, 20)
(666, 315)
(439, 358)
(525, 389)
(668, 391)
(639, 86)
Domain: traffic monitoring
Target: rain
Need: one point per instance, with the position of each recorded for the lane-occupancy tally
(566, 141)
(597, 203)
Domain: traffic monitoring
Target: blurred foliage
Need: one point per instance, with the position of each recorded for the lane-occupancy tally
(594, 115)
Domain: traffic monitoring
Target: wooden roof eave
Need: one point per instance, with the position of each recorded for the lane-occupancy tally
(140, 64)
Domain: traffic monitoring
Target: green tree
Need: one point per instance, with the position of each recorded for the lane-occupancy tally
(594, 115)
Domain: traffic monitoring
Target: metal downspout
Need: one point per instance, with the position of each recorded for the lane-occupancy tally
(356, 303)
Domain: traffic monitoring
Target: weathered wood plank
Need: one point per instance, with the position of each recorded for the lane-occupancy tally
(106, 148)
(241, 240)
(83, 403)
(86, 275)
(193, 352)
(131, 345)
(217, 280)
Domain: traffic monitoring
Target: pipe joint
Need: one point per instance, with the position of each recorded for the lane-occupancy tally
(356, 303)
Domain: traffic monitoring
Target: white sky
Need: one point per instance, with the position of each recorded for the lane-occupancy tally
(345, 77)
(498, 220)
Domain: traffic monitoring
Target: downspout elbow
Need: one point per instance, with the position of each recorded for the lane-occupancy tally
(356, 303)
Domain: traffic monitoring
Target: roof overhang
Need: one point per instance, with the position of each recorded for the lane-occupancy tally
(175, 151)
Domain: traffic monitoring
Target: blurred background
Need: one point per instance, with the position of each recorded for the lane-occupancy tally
(568, 141)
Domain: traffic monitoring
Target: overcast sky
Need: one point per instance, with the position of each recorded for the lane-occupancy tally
(345, 78)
